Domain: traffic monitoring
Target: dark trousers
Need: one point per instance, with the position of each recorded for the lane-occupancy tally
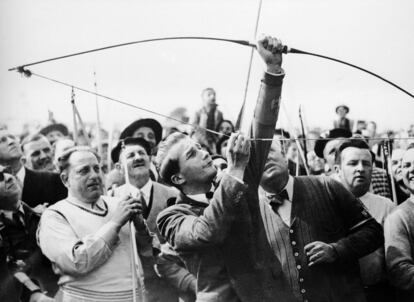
(380, 292)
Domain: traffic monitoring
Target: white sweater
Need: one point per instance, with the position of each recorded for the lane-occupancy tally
(94, 261)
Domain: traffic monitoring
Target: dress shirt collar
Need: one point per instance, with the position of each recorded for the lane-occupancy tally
(21, 174)
(134, 191)
(412, 198)
(201, 197)
(146, 189)
(9, 214)
(289, 188)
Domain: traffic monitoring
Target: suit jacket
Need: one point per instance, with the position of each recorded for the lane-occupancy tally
(224, 242)
(40, 187)
(20, 244)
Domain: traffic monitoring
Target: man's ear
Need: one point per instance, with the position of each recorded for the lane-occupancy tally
(64, 177)
(337, 168)
(177, 179)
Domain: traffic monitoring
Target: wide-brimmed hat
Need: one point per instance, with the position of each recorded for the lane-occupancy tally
(333, 133)
(342, 106)
(116, 151)
(146, 122)
(55, 127)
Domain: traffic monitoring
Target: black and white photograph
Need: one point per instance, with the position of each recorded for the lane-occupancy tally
(206, 151)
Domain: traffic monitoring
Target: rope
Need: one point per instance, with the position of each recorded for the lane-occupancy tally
(177, 120)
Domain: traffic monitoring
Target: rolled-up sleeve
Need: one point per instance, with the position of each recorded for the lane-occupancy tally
(70, 254)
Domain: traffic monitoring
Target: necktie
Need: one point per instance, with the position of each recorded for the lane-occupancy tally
(144, 205)
(283, 195)
(209, 195)
(276, 200)
(18, 219)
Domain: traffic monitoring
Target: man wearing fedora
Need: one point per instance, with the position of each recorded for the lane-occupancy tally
(134, 153)
(342, 121)
(150, 130)
(325, 147)
(54, 132)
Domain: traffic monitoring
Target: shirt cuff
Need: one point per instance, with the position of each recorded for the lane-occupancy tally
(273, 79)
(108, 232)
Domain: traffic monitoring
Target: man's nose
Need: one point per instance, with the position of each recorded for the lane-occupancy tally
(205, 154)
(360, 167)
(42, 155)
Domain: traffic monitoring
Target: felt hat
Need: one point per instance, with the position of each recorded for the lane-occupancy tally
(116, 151)
(55, 127)
(333, 133)
(146, 122)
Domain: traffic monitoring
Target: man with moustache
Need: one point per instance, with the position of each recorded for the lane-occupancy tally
(354, 169)
(399, 236)
(39, 188)
(218, 231)
(38, 153)
(134, 153)
(150, 130)
(318, 230)
(86, 235)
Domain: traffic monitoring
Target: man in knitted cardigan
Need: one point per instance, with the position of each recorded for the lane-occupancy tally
(399, 236)
(317, 230)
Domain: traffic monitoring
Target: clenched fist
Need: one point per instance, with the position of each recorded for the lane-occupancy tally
(127, 207)
(270, 50)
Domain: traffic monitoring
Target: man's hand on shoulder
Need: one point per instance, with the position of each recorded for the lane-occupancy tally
(270, 50)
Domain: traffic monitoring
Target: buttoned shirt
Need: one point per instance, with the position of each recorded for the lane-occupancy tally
(202, 197)
(285, 209)
(145, 191)
(20, 175)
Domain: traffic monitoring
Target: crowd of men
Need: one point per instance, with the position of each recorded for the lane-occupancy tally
(198, 215)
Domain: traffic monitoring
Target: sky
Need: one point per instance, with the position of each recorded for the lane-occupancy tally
(374, 34)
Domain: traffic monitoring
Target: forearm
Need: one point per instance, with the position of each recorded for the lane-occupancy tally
(176, 275)
(268, 103)
(263, 126)
(73, 255)
(365, 239)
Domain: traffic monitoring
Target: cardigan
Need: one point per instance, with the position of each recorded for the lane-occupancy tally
(323, 210)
